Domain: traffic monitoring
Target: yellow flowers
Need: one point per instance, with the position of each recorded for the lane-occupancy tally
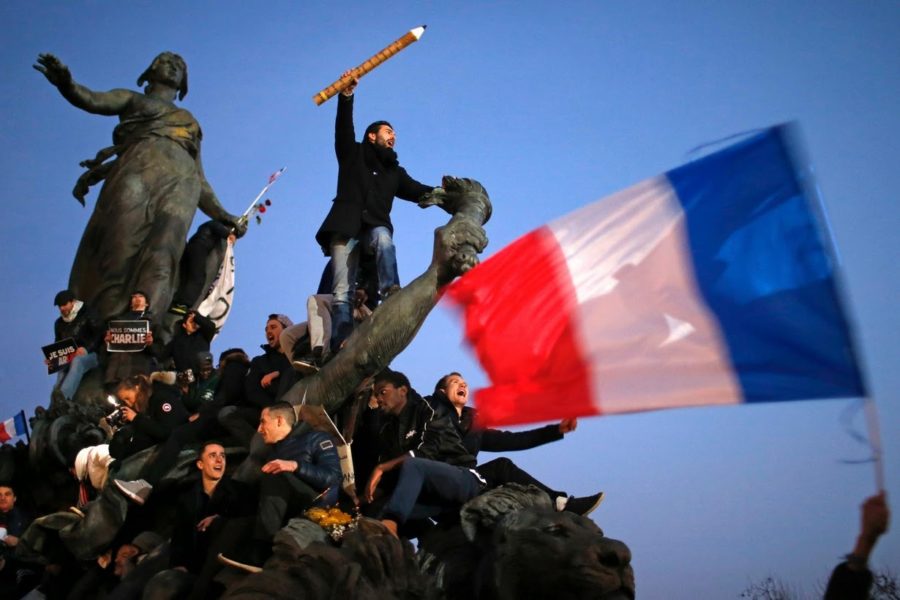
(328, 517)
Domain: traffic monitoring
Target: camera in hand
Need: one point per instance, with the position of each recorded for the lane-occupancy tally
(116, 418)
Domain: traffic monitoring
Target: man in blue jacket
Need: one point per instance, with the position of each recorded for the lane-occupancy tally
(303, 470)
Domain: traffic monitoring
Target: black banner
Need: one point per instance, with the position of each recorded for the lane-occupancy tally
(59, 354)
(128, 336)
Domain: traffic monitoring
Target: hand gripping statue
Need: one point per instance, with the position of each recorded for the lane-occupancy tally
(152, 187)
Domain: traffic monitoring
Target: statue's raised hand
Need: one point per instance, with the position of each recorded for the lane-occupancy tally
(56, 73)
(456, 248)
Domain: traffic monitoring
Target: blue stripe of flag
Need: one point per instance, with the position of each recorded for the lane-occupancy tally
(764, 267)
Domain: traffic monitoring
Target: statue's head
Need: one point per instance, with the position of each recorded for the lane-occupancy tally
(542, 554)
(168, 68)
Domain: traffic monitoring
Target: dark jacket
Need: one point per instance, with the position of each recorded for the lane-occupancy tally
(165, 411)
(318, 464)
(229, 499)
(365, 188)
(423, 431)
(476, 439)
(15, 521)
(184, 347)
(86, 329)
(270, 360)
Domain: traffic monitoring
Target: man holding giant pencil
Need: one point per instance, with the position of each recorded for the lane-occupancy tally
(369, 177)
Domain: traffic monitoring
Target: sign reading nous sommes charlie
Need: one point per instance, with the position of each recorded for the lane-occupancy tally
(128, 336)
(59, 354)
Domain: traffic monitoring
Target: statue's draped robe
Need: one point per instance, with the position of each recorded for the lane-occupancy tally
(137, 233)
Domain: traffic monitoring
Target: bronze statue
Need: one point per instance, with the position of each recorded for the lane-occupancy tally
(152, 187)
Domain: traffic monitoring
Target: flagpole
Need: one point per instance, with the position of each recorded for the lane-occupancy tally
(272, 179)
(875, 440)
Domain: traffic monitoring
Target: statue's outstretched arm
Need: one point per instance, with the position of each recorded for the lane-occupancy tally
(113, 102)
(210, 206)
(381, 337)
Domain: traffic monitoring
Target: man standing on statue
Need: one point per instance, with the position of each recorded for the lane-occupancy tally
(369, 177)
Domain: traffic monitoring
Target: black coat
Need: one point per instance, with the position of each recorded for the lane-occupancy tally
(425, 431)
(365, 189)
(164, 413)
(476, 439)
(271, 360)
(86, 329)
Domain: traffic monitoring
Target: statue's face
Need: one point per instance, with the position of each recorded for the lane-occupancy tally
(571, 558)
(167, 68)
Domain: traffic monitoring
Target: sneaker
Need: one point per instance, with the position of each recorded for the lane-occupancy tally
(179, 309)
(305, 366)
(585, 505)
(137, 491)
(76, 511)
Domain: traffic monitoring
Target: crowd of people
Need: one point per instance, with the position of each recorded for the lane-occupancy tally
(415, 458)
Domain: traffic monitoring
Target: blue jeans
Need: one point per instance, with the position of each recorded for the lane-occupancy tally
(344, 264)
(69, 378)
(427, 487)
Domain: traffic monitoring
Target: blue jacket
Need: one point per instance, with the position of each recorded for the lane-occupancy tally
(318, 464)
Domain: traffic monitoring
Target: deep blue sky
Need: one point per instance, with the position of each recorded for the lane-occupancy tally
(551, 105)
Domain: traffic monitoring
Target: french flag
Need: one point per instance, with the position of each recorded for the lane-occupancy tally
(711, 284)
(13, 428)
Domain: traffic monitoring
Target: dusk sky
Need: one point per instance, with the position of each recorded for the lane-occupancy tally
(551, 105)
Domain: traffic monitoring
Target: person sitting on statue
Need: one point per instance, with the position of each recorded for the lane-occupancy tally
(194, 334)
(150, 411)
(153, 184)
(452, 392)
(199, 264)
(121, 365)
(302, 470)
(436, 472)
(202, 527)
(263, 383)
(81, 323)
(15, 579)
(369, 177)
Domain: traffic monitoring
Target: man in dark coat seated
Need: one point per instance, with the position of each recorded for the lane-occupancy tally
(81, 323)
(200, 531)
(436, 472)
(369, 177)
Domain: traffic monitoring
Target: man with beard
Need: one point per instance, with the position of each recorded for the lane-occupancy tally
(369, 177)
(81, 323)
(265, 382)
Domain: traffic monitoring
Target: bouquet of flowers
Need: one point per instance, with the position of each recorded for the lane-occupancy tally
(333, 520)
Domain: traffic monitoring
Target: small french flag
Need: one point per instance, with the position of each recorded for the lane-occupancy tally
(13, 428)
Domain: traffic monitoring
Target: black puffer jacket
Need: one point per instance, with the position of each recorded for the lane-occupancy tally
(476, 439)
(164, 413)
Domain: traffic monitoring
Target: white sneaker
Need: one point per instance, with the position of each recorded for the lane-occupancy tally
(137, 491)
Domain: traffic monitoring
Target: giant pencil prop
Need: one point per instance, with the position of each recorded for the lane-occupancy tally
(408, 38)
